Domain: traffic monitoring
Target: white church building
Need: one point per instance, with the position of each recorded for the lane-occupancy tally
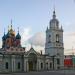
(14, 58)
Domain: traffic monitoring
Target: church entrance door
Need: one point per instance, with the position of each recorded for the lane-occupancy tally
(30, 66)
(32, 62)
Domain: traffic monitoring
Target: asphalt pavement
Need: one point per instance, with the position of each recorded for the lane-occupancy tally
(61, 72)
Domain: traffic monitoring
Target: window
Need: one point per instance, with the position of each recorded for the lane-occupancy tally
(18, 65)
(50, 65)
(6, 65)
(47, 66)
(57, 38)
(58, 67)
(58, 54)
(49, 36)
(58, 61)
(49, 39)
(41, 65)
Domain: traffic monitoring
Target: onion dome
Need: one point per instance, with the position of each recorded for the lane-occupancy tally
(8, 35)
(11, 31)
(18, 35)
(4, 36)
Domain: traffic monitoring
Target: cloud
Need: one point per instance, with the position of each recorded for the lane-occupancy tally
(25, 35)
(39, 49)
(38, 39)
(69, 42)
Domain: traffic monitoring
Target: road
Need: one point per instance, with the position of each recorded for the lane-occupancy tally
(45, 73)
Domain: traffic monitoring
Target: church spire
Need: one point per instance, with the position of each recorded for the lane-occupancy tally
(61, 27)
(47, 28)
(4, 31)
(8, 28)
(4, 36)
(54, 15)
(11, 24)
(11, 21)
(18, 29)
(18, 35)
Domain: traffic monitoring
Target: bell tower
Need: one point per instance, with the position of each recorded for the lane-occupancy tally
(54, 41)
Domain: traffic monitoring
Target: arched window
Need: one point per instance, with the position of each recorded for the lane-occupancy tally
(6, 65)
(58, 61)
(47, 66)
(49, 41)
(41, 65)
(18, 65)
(50, 65)
(57, 38)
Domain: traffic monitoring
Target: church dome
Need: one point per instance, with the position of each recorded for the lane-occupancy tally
(4, 37)
(11, 31)
(54, 21)
(18, 36)
(7, 35)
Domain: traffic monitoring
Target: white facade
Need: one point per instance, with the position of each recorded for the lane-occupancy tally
(14, 61)
(54, 42)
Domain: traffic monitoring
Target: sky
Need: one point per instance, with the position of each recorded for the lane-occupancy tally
(33, 16)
